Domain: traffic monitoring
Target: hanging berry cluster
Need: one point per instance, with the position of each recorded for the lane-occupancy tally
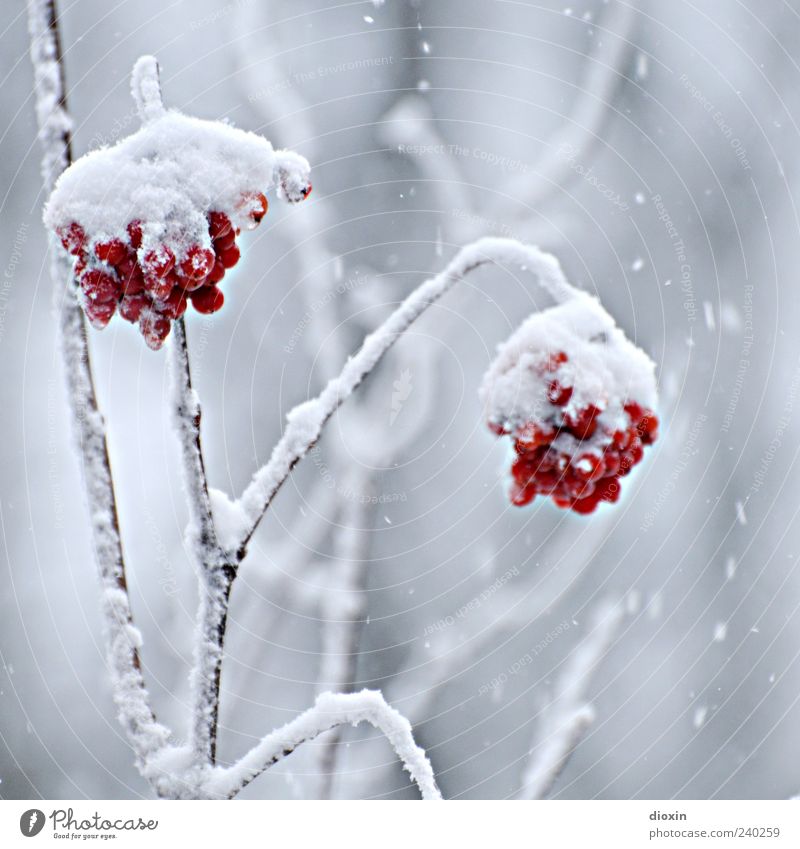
(152, 222)
(577, 398)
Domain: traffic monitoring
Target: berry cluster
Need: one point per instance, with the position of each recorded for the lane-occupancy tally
(152, 284)
(570, 453)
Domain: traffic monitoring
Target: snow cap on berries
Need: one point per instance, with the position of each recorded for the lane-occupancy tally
(158, 213)
(578, 397)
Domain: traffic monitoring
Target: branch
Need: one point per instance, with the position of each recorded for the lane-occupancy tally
(305, 422)
(330, 710)
(123, 641)
(565, 719)
(214, 567)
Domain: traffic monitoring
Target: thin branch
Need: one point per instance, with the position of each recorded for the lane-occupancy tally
(123, 641)
(305, 422)
(329, 711)
(565, 719)
(214, 566)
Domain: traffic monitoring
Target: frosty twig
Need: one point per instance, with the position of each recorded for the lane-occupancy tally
(123, 641)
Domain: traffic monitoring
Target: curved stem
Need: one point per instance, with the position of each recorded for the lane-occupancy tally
(306, 421)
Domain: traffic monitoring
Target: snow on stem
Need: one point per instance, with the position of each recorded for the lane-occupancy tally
(213, 564)
(566, 717)
(305, 422)
(123, 642)
(329, 711)
(146, 89)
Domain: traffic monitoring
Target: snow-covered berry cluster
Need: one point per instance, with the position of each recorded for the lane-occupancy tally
(577, 398)
(152, 222)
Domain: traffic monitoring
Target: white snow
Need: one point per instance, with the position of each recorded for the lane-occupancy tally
(329, 711)
(229, 518)
(604, 368)
(169, 175)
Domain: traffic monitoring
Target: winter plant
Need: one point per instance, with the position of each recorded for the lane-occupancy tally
(149, 226)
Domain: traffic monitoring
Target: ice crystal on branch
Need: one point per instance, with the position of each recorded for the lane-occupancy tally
(152, 222)
(577, 397)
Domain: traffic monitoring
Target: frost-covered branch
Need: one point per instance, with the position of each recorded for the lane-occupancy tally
(305, 422)
(564, 720)
(123, 641)
(329, 711)
(215, 572)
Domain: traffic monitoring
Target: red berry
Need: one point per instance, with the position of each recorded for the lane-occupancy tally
(112, 252)
(154, 328)
(197, 263)
(533, 435)
(558, 394)
(207, 299)
(160, 288)
(583, 423)
(175, 305)
(219, 225)
(158, 262)
(229, 257)
(222, 243)
(99, 286)
(135, 234)
(217, 273)
(73, 238)
(131, 306)
(254, 206)
(554, 361)
(99, 313)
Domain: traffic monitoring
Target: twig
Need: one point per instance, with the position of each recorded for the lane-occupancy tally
(330, 710)
(123, 641)
(215, 568)
(567, 716)
(305, 422)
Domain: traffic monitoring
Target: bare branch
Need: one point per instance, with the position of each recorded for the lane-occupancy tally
(566, 717)
(329, 711)
(305, 422)
(123, 641)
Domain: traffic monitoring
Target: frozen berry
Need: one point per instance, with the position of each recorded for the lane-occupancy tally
(134, 230)
(98, 286)
(558, 394)
(99, 313)
(112, 252)
(219, 225)
(254, 207)
(207, 299)
(158, 262)
(229, 257)
(154, 328)
(73, 238)
(131, 306)
(197, 263)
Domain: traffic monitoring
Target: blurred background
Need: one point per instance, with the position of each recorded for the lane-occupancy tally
(652, 148)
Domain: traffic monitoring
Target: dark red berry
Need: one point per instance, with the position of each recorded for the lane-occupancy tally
(135, 234)
(558, 394)
(197, 263)
(229, 257)
(112, 252)
(99, 286)
(154, 328)
(99, 313)
(207, 299)
(158, 262)
(73, 238)
(131, 306)
(219, 225)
